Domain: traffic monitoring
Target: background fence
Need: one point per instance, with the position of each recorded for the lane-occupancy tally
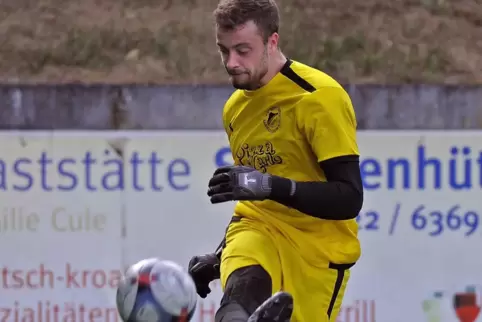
(100, 107)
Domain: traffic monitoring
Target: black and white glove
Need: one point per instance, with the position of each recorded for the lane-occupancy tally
(238, 183)
(204, 269)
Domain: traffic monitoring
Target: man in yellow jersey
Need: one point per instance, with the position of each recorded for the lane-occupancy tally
(292, 132)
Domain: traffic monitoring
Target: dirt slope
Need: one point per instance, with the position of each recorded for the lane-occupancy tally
(171, 41)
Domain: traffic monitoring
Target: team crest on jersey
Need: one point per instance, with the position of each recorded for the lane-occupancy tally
(272, 121)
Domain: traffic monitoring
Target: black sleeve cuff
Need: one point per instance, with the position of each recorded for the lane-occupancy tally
(280, 188)
(339, 198)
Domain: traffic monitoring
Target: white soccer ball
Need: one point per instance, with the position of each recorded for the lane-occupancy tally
(155, 290)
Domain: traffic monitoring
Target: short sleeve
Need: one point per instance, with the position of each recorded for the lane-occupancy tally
(327, 120)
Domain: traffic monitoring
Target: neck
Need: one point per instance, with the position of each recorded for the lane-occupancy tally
(277, 62)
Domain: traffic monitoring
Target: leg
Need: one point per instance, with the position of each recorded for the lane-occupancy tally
(250, 270)
(246, 289)
(319, 292)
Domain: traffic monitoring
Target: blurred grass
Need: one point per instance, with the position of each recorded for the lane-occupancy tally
(147, 41)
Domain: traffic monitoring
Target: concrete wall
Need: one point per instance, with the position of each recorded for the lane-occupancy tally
(199, 107)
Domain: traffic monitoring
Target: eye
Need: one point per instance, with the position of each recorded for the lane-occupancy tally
(243, 51)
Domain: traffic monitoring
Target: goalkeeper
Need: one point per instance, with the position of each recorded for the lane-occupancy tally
(292, 133)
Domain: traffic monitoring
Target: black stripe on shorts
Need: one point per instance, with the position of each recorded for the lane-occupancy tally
(341, 269)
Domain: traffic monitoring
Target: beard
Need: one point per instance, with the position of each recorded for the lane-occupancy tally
(244, 81)
(249, 80)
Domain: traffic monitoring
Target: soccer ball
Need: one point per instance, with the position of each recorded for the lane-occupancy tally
(155, 290)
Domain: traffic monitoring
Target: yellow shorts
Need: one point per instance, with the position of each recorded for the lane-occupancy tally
(317, 291)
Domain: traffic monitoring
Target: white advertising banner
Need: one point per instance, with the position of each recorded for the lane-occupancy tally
(76, 208)
(60, 229)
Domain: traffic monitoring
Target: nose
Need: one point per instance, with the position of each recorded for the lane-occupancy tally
(232, 61)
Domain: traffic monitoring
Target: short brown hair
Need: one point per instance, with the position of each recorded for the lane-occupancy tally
(231, 14)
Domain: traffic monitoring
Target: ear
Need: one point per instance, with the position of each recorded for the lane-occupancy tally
(273, 41)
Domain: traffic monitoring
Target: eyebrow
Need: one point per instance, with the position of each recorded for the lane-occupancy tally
(243, 44)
